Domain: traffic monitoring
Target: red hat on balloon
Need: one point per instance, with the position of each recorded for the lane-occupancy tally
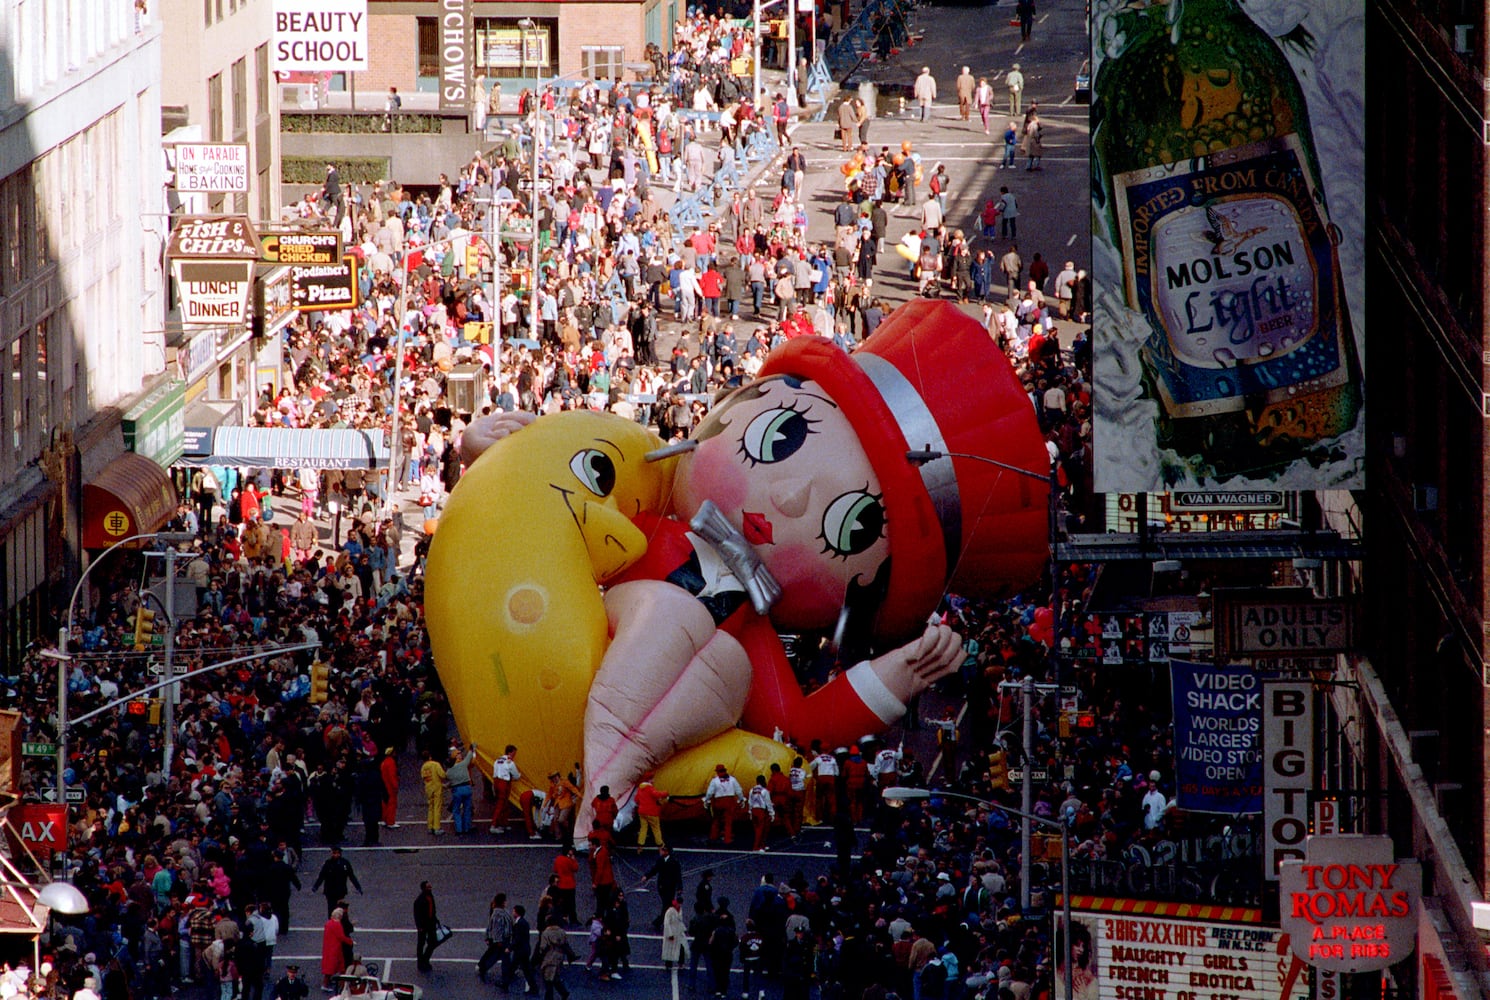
(969, 514)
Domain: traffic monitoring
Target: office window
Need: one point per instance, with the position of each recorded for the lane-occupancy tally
(602, 62)
(214, 107)
(42, 407)
(219, 9)
(261, 80)
(504, 50)
(429, 48)
(240, 98)
(207, 12)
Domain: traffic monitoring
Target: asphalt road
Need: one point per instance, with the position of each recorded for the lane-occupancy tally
(467, 871)
(1054, 210)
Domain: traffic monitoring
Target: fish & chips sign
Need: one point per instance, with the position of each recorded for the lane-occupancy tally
(212, 261)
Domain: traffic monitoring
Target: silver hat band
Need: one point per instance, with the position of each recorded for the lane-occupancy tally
(921, 431)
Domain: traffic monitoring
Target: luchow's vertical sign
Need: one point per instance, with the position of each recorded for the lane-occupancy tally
(455, 54)
(1349, 905)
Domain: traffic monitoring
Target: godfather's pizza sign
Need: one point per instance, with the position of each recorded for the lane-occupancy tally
(1349, 906)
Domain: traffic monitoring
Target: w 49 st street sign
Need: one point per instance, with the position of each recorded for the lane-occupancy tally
(38, 749)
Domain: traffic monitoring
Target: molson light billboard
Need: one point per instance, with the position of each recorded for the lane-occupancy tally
(1228, 273)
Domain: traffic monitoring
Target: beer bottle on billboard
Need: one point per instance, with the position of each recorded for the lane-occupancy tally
(1207, 171)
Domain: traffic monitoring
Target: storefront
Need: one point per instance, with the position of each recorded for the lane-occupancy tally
(133, 495)
(408, 48)
(274, 311)
(287, 448)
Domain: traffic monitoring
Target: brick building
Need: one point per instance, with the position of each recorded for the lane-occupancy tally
(1428, 371)
(568, 37)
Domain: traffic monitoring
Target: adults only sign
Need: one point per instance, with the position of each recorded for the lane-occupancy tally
(1349, 906)
(1217, 729)
(320, 36)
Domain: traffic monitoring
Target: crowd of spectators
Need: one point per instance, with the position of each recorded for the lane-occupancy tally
(175, 863)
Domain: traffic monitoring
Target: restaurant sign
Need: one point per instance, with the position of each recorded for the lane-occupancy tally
(1349, 905)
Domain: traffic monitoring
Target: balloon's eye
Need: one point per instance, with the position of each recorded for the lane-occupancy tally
(775, 434)
(852, 523)
(596, 470)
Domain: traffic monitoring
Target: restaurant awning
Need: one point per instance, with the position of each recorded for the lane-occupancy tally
(293, 448)
(131, 496)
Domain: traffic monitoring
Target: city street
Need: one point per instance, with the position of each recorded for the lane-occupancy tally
(1053, 204)
(466, 872)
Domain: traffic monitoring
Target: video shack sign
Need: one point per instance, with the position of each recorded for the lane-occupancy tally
(1349, 906)
(1217, 737)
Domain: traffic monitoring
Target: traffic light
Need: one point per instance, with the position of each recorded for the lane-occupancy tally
(144, 629)
(998, 770)
(320, 680)
(153, 715)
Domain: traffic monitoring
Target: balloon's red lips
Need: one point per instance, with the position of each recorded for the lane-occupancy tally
(756, 528)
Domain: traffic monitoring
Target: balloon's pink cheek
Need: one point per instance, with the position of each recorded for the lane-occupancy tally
(812, 591)
(713, 472)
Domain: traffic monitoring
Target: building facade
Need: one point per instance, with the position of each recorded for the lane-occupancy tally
(218, 86)
(218, 80)
(1424, 577)
(594, 39)
(81, 296)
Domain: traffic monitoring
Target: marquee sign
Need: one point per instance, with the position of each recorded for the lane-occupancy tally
(1179, 952)
(1349, 906)
(1291, 623)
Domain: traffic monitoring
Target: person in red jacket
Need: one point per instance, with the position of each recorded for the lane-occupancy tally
(780, 787)
(566, 868)
(602, 871)
(604, 810)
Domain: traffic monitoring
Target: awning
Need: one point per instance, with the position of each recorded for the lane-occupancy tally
(294, 448)
(131, 496)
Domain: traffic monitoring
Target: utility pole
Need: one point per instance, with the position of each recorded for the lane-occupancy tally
(533, 246)
(791, 53)
(1028, 691)
(64, 659)
(1026, 794)
(171, 689)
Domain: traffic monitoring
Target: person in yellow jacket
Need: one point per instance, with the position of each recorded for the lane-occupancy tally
(557, 815)
(433, 776)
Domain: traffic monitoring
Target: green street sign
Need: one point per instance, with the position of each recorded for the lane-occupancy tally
(38, 749)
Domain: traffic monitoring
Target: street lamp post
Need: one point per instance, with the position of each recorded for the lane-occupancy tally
(1028, 687)
(64, 656)
(527, 24)
(396, 434)
(899, 796)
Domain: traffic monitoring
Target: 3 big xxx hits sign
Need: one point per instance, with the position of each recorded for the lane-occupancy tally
(1349, 906)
